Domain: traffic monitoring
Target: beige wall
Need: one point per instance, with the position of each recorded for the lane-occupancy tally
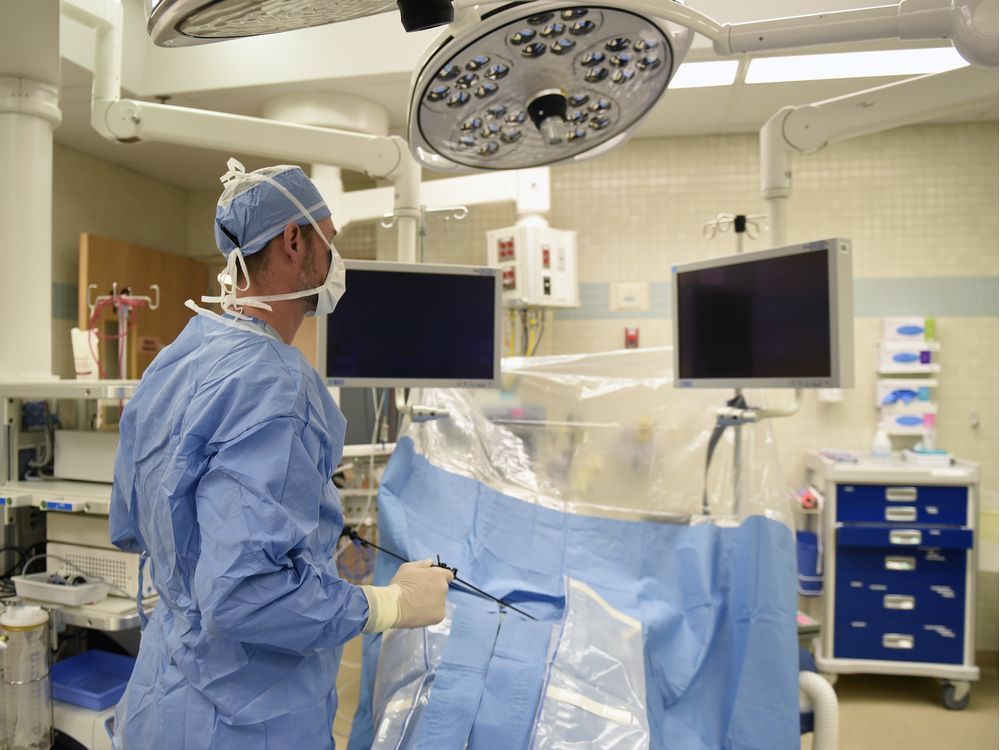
(200, 239)
(92, 195)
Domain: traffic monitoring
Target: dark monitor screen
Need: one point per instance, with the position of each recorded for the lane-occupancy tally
(397, 328)
(767, 318)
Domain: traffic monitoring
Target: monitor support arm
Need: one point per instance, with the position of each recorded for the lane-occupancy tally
(415, 412)
(752, 414)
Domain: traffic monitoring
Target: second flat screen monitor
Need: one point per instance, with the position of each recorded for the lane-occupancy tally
(779, 318)
(403, 325)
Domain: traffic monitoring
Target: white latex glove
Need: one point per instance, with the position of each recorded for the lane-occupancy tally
(414, 598)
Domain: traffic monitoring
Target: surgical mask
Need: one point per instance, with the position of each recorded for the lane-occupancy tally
(328, 294)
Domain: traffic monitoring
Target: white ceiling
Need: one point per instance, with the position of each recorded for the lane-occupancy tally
(373, 58)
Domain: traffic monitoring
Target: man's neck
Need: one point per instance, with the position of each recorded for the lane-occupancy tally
(285, 318)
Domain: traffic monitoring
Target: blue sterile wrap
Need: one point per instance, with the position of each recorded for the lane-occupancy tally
(716, 606)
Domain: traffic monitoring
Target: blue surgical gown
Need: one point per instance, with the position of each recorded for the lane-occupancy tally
(223, 478)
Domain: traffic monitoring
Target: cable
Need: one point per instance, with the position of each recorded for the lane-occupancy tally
(19, 550)
(27, 552)
(378, 403)
(541, 332)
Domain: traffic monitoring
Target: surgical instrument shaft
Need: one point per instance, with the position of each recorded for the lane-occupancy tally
(355, 537)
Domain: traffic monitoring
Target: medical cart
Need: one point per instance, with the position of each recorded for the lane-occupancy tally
(70, 516)
(899, 569)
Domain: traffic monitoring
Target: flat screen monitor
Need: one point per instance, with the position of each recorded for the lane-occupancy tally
(781, 318)
(413, 325)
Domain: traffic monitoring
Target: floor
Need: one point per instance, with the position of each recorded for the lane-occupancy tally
(348, 682)
(878, 711)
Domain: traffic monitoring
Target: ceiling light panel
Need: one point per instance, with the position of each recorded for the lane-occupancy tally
(705, 74)
(546, 81)
(900, 62)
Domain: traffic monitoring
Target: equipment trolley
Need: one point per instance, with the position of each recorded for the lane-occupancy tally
(899, 569)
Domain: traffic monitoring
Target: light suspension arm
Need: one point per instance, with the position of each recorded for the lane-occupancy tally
(971, 25)
(130, 121)
(811, 127)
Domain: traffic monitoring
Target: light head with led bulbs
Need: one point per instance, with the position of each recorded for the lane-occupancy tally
(538, 83)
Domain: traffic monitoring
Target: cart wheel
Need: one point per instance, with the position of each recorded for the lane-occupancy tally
(955, 695)
(829, 677)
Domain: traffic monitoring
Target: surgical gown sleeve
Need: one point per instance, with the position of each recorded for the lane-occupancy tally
(262, 577)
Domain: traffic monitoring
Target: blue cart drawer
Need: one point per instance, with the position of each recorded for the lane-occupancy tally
(901, 605)
(905, 570)
(878, 503)
(909, 537)
(935, 643)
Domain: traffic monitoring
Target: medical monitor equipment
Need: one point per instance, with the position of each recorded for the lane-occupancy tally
(780, 318)
(413, 325)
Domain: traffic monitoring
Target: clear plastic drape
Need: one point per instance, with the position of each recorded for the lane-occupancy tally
(606, 434)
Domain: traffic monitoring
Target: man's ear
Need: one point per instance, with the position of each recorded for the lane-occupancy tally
(293, 243)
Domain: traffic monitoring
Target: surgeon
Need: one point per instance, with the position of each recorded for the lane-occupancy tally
(223, 481)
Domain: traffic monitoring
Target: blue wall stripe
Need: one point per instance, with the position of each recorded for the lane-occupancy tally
(64, 301)
(952, 296)
(958, 296)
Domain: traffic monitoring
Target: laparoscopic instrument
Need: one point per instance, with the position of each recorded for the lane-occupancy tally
(458, 582)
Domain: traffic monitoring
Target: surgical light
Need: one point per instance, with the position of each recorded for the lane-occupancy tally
(573, 77)
(178, 23)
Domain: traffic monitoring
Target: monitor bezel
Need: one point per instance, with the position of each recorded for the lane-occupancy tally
(841, 297)
(417, 268)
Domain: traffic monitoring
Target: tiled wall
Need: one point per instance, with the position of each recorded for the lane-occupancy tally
(916, 202)
(452, 241)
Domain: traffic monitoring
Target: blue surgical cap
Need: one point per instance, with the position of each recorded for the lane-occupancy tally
(252, 211)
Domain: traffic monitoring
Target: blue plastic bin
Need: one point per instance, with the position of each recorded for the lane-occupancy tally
(94, 679)
(810, 579)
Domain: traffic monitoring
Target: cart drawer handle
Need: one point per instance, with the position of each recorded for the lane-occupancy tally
(907, 536)
(900, 494)
(897, 640)
(900, 563)
(899, 601)
(903, 513)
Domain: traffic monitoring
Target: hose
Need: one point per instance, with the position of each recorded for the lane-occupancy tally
(819, 694)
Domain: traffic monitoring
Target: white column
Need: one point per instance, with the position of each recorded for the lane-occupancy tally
(29, 111)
